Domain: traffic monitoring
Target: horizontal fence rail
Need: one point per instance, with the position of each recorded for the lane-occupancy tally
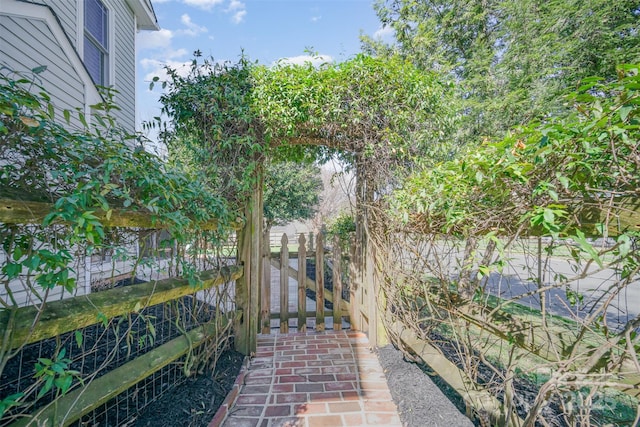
(25, 212)
(29, 324)
(149, 310)
(280, 261)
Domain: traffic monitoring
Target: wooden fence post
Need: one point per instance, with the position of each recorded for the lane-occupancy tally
(378, 259)
(241, 325)
(284, 285)
(354, 291)
(255, 238)
(337, 284)
(302, 280)
(319, 284)
(265, 296)
(369, 280)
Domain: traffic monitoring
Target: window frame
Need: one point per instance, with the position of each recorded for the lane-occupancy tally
(105, 51)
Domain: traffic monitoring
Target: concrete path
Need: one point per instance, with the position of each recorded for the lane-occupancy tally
(326, 379)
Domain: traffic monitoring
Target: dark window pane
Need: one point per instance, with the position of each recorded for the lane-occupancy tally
(94, 61)
(95, 21)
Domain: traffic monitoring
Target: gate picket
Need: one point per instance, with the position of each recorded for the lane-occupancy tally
(302, 279)
(284, 285)
(319, 284)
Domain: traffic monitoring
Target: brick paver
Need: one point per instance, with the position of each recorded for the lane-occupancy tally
(326, 379)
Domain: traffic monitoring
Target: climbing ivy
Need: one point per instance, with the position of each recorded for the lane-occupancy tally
(99, 165)
(81, 167)
(542, 176)
(386, 109)
(208, 124)
(86, 170)
(527, 243)
(224, 119)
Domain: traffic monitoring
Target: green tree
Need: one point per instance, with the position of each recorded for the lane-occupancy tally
(511, 60)
(291, 192)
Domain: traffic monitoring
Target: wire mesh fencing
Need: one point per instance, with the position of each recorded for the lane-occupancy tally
(194, 292)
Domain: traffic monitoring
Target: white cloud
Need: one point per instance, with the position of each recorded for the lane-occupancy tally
(238, 17)
(384, 32)
(192, 29)
(235, 5)
(315, 60)
(154, 39)
(316, 18)
(156, 68)
(238, 9)
(203, 4)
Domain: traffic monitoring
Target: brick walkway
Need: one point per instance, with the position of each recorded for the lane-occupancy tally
(325, 379)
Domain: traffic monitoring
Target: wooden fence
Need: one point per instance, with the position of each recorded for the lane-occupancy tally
(29, 325)
(341, 308)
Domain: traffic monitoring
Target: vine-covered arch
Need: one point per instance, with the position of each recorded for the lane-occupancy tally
(567, 181)
(373, 114)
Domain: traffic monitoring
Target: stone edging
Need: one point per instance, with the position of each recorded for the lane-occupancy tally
(223, 410)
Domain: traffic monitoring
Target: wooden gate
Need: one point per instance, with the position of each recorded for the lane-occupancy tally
(301, 315)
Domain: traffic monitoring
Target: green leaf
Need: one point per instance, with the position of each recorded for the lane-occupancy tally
(564, 181)
(39, 69)
(12, 270)
(65, 383)
(102, 318)
(33, 262)
(79, 337)
(58, 368)
(83, 119)
(624, 112)
(48, 384)
(587, 247)
(49, 218)
(9, 402)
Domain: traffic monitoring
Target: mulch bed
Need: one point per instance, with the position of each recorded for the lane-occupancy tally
(525, 391)
(195, 402)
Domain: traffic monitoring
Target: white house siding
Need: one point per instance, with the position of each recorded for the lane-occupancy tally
(26, 43)
(24, 295)
(67, 13)
(124, 27)
(29, 43)
(32, 35)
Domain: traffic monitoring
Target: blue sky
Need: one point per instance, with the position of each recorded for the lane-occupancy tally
(267, 30)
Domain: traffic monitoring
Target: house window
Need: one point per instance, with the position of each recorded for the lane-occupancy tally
(96, 53)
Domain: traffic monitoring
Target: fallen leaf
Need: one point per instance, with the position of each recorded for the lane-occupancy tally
(29, 121)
